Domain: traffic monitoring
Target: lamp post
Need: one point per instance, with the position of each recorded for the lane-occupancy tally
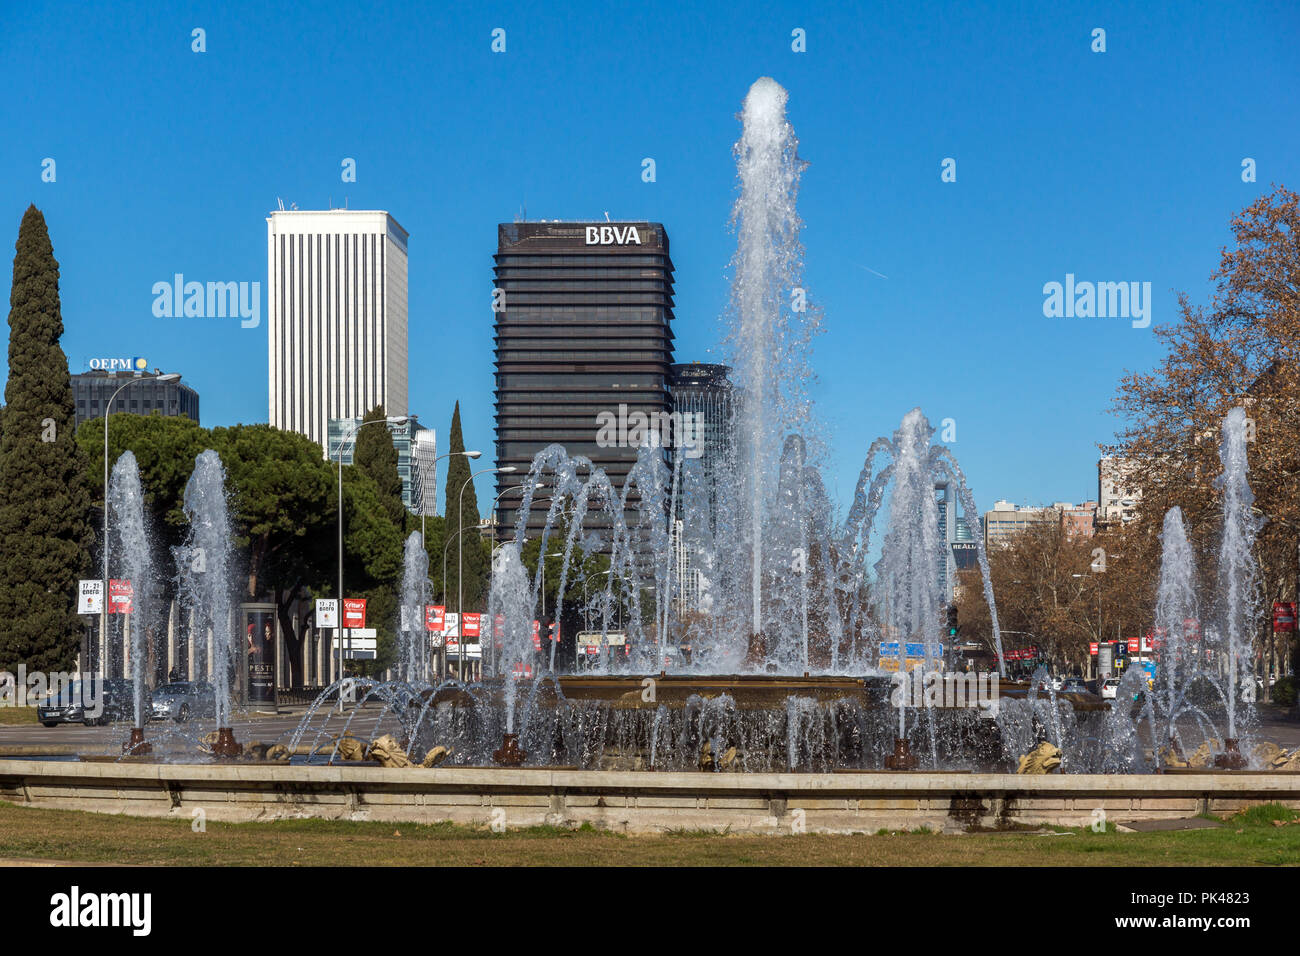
(468, 454)
(343, 440)
(460, 554)
(108, 408)
(424, 535)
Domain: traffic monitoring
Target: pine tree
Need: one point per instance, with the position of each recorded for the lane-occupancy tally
(45, 533)
(376, 455)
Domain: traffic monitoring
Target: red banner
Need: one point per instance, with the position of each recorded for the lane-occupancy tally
(1284, 615)
(472, 624)
(1133, 645)
(354, 612)
(537, 632)
(1092, 648)
(433, 617)
(119, 597)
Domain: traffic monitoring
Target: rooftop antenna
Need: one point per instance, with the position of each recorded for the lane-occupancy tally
(607, 215)
(281, 202)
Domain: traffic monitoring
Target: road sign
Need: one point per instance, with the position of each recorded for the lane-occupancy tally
(327, 612)
(90, 597)
(360, 643)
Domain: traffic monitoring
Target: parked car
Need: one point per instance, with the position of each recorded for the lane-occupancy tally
(181, 700)
(92, 704)
(1108, 688)
(1074, 685)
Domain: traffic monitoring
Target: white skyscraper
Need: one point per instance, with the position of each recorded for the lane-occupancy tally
(338, 313)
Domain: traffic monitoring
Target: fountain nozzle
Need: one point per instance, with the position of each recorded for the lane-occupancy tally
(509, 755)
(135, 746)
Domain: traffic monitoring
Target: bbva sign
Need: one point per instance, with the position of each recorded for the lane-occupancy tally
(612, 235)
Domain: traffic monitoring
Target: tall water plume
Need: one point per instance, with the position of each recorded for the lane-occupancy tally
(205, 573)
(132, 556)
(768, 333)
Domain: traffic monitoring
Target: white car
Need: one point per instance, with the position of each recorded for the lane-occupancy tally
(1108, 688)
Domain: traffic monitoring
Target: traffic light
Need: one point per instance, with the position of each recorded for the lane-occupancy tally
(952, 621)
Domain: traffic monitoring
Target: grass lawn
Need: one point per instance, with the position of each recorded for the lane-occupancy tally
(30, 833)
(17, 715)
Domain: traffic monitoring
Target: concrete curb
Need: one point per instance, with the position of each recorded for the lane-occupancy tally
(635, 802)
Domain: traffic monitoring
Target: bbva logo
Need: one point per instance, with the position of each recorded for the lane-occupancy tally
(612, 235)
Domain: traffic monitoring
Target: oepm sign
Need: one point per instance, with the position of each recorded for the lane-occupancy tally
(354, 612)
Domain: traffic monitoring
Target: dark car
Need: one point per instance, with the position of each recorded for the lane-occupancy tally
(92, 703)
(181, 700)
(1074, 685)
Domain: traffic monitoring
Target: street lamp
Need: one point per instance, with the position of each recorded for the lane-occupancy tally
(343, 440)
(460, 553)
(468, 454)
(103, 627)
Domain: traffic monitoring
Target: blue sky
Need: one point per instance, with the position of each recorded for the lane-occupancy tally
(1115, 166)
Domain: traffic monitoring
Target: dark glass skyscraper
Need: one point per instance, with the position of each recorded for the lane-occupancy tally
(583, 329)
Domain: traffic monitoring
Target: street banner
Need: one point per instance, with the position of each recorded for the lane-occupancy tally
(119, 597)
(1284, 615)
(354, 612)
(472, 624)
(451, 626)
(327, 612)
(1092, 648)
(90, 597)
(537, 638)
(433, 617)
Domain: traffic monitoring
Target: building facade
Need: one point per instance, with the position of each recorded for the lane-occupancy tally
(337, 303)
(583, 336)
(91, 392)
(409, 438)
(1117, 495)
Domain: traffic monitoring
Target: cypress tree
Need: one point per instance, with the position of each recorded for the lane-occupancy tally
(376, 455)
(45, 533)
(458, 472)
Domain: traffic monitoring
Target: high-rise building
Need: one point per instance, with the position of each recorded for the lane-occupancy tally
(338, 314)
(91, 391)
(425, 474)
(408, 438)
(704, 406)
(959, 549)
(583, 338)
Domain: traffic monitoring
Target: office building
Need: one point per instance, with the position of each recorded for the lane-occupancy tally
(584, 346)
(337, 306)
(91, 391)
(411, 441)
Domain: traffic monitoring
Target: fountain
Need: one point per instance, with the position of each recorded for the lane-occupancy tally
(796, 641)
(131, 553)
(205, 576)
(412, 655)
